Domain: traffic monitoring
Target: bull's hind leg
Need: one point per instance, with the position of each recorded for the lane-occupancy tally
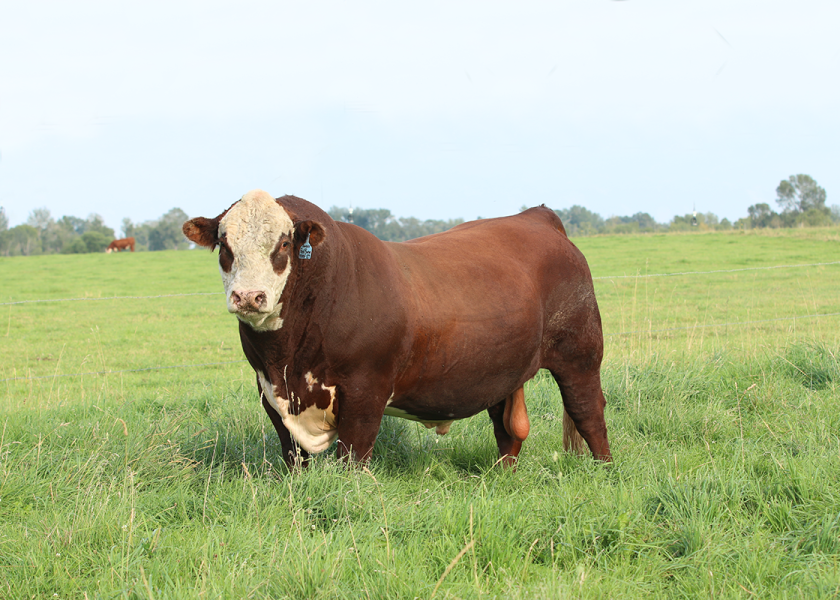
(510, 425)
(573, 355)
(583, 401)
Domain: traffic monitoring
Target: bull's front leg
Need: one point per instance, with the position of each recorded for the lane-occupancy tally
(360, 412)
(293, 454)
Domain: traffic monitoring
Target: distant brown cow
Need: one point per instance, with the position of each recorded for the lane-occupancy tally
(342, 328)
(123, 244)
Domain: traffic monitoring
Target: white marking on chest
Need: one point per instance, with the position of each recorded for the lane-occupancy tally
(441, 427)
(314, 428)
(252, 228)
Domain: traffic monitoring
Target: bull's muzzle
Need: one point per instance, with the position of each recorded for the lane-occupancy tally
(247, 302)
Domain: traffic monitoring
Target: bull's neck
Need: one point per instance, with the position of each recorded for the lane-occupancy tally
(314, 289)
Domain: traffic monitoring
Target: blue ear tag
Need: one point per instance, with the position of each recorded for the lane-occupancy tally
(305, 252)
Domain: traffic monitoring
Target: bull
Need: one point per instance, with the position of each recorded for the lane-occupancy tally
(342, 328)
(118, 245)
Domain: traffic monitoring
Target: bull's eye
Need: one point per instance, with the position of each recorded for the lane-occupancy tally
(280, 255)
(225, 257)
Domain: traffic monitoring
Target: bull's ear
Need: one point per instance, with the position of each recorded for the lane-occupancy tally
(204, 232)
(313, 229)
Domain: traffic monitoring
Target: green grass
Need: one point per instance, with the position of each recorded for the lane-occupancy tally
(167, 483)
(688, 314)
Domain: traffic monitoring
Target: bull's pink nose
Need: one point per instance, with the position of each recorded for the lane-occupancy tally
(252, 301)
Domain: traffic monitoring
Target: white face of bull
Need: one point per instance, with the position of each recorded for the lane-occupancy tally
(254, 259)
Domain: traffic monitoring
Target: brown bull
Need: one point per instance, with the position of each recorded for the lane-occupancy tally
(123, 244)
(342, 328)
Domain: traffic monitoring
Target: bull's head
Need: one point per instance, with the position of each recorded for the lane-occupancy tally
(257, 240)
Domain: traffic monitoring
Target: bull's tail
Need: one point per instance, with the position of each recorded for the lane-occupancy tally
(572, 440)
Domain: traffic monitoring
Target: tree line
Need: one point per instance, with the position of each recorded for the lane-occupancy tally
(381, 223)
(801, 201)
(41, 234)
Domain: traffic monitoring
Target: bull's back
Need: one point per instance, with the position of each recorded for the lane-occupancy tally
(491, 267)
(480, 300)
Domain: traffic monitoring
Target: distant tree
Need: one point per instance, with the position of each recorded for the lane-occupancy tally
(74, 224)
(814, 217)
(799, 194)
(22, 240)
(72, 235)
(617, 225)
(724, 225)
(645, 221)
(77, 246)
(761, 215)
(680, 223)
(95, 223)
(159, 234)
(640, 222)
(381, 223)
(139, 231)
(96, 241)
(694, 222)
(711, 220)
(39, 218)
(835, 213)
(411, 227)
(166, 233)
(127, 228)
(579, 220)
(57, 237)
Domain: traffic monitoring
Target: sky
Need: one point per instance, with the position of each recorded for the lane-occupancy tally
(433, 109)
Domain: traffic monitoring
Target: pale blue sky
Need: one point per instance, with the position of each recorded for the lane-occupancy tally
(431, 109)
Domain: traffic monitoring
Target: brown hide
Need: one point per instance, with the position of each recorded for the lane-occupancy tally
(123, 244)
(435, 329)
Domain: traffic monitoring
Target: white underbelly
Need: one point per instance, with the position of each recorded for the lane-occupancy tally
(314, 428)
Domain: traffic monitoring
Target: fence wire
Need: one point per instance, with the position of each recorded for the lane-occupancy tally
(733, 323)
(602, 277)
(228, 362)
(647, 275)
(111, 298)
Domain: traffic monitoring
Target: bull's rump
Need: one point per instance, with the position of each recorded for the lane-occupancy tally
(482, 303)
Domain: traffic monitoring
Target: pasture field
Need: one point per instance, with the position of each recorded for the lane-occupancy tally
(136, 461)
